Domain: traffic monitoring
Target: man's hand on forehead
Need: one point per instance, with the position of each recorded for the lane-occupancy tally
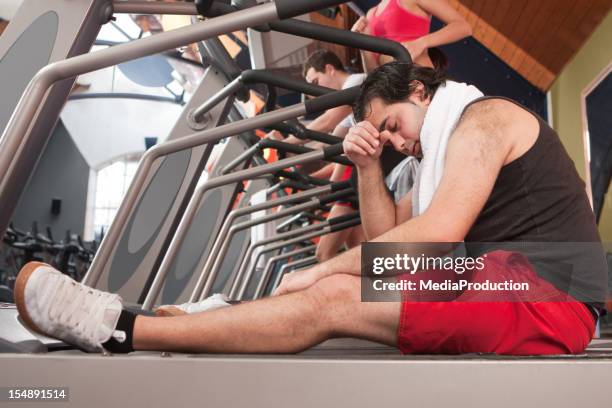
(369, 134)
(362, 144)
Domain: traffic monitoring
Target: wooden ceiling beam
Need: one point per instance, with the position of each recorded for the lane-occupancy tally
(536, 38)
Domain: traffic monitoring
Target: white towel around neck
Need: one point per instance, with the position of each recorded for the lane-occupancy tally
(440, 121)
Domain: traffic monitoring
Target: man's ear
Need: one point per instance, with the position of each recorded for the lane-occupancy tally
(419, 89)
(329, 69)
(419, 92)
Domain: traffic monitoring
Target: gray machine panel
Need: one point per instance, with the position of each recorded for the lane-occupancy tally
(42, 32)
(215, 204)
(26, 56)
(124, 266)
(238, 246)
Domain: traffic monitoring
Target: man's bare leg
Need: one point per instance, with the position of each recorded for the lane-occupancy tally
(284, 324)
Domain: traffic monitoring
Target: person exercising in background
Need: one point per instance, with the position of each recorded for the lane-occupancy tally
(324, 68)
(505, 176)
(408, 22)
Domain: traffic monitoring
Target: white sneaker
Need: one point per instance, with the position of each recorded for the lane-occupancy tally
(213, 302)
(55, 305)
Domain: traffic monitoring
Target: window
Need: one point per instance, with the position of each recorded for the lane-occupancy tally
(112, 182)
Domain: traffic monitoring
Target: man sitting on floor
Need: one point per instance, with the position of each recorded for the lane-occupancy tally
(491, 171)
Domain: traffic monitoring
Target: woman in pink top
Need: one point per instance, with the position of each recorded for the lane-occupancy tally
(407, 22)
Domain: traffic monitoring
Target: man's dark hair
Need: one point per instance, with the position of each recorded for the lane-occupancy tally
(395, 82)
(438, 58)
(319, 59)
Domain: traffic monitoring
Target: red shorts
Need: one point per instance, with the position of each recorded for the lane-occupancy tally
(557, 324)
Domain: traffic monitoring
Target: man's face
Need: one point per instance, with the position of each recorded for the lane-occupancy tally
(400, 123)
(325, 78)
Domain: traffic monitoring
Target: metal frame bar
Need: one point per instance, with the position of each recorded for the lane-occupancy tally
(15, 162)
(296, 264)
(114, 272)
(46, 77)
(254, 172)
(339, 227)
(246, 259)
(245, 274)
(263, 282)
(198, 113)
(267, 143)
(283, 271)
(329, 34)
(150, 264)
(200, 138)
(343, 37)
(72, 32)
(227, 223)
(216, 258)
(196, 201)
(316, 32)
(244, 156)
(123, 95)
(286, 224)
(218, 250)
(356, 9)
(258, 76)
(154, 7)
(190, 242)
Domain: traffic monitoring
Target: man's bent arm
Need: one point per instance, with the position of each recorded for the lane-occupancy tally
(375, 204)
(325, 123)
(476, 152)
(330, 119)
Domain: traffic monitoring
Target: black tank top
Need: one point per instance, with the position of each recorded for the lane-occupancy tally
(540, 198)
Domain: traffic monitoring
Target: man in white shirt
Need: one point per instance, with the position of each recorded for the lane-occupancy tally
(324, 68)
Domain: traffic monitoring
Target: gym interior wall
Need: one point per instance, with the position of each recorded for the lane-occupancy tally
(566, 96)
(61, 173)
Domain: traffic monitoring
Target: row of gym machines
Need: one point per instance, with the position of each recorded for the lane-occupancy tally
(174, 240)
